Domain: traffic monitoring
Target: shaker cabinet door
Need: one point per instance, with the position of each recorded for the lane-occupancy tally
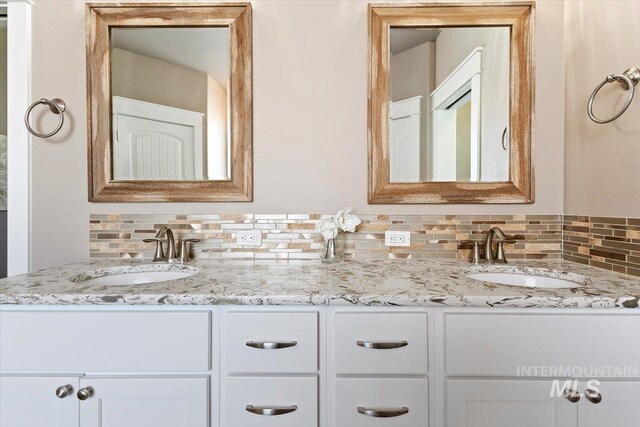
(136, 402)
(31, 401)
(613, 404)
(507, 403)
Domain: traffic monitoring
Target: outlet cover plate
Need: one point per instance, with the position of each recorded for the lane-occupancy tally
(397, 238)
(249, 237)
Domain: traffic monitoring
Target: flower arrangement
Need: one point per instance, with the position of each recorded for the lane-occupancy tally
(343, 221)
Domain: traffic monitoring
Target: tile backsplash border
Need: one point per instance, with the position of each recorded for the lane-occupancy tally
(612, 243)
(291, 238)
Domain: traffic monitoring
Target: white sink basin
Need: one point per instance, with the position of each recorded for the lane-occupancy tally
(138, 275)
(525, 280)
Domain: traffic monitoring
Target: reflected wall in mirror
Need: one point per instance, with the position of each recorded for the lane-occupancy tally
(449, 112)
(170, 102)
(450, 103)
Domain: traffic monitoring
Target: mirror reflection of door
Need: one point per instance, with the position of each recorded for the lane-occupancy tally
(457, 81)
(170, 104)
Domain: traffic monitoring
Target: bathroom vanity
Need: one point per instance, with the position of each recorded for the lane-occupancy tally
(388, 343)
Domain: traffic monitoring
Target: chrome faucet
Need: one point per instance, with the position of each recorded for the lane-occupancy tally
(489, 255)
(159, 255)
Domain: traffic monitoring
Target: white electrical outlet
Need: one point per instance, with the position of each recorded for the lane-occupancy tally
(397, 238)
(249, 237)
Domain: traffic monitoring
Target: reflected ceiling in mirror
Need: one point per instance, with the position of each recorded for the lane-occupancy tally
(449, 104)
(170, 103)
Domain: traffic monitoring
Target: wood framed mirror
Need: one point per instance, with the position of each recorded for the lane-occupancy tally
(451, 98)
(169, 102)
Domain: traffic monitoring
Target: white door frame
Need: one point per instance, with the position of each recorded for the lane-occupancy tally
(19, 140)
(467, 75)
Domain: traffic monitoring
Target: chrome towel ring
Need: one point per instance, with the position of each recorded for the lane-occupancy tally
(627, 80)
(56, 105)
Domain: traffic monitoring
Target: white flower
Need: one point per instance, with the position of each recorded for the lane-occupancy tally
(346, 221)
(328, 228)
(343, 221)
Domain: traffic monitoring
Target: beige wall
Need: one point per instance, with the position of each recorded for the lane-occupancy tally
(602, 161)
(148, 79)
(152, 80)
(310, 121)
(412, 72)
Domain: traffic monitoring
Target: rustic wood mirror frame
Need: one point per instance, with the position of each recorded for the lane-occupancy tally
(100, 18)
(516, 15)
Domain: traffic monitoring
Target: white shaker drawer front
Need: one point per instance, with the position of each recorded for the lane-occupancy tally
(272, 342)
(534, 344)
(381, 343)
(113, 341)
(392, 402)
(271, 402)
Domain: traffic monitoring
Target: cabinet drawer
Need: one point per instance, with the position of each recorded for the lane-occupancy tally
(392, 402)
(114, 341)
(272, 342)
(381, 343)
(519, 344)
(294, 400)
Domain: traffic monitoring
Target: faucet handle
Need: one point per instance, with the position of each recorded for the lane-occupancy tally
(159, 255)
(475, 259)
(500, 257)
(184, 249)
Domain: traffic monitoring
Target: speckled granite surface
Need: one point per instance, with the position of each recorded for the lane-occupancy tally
(429, 283)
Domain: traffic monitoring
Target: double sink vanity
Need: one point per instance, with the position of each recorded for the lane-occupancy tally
(360, 343)
(357, 343)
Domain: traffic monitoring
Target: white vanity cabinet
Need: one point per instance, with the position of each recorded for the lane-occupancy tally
(306, 366)
(511, 367)
(69, 367)
(34, 401)
(506, 402)
(620, 406)
(134, 401)
(379, 367)
(272, 366)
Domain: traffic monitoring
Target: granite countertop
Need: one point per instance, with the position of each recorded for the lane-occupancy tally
(426, 283)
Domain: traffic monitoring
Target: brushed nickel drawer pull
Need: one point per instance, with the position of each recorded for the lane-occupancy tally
(266, 345)
(271, 410)
(383, 412)
(382, 345)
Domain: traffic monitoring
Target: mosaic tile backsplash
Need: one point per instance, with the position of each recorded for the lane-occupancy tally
(605, 242)
(289, 239)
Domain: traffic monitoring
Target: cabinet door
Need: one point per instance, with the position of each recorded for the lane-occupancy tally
(507, 403)
(27, 401)
(619, 407)
(136, 402)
